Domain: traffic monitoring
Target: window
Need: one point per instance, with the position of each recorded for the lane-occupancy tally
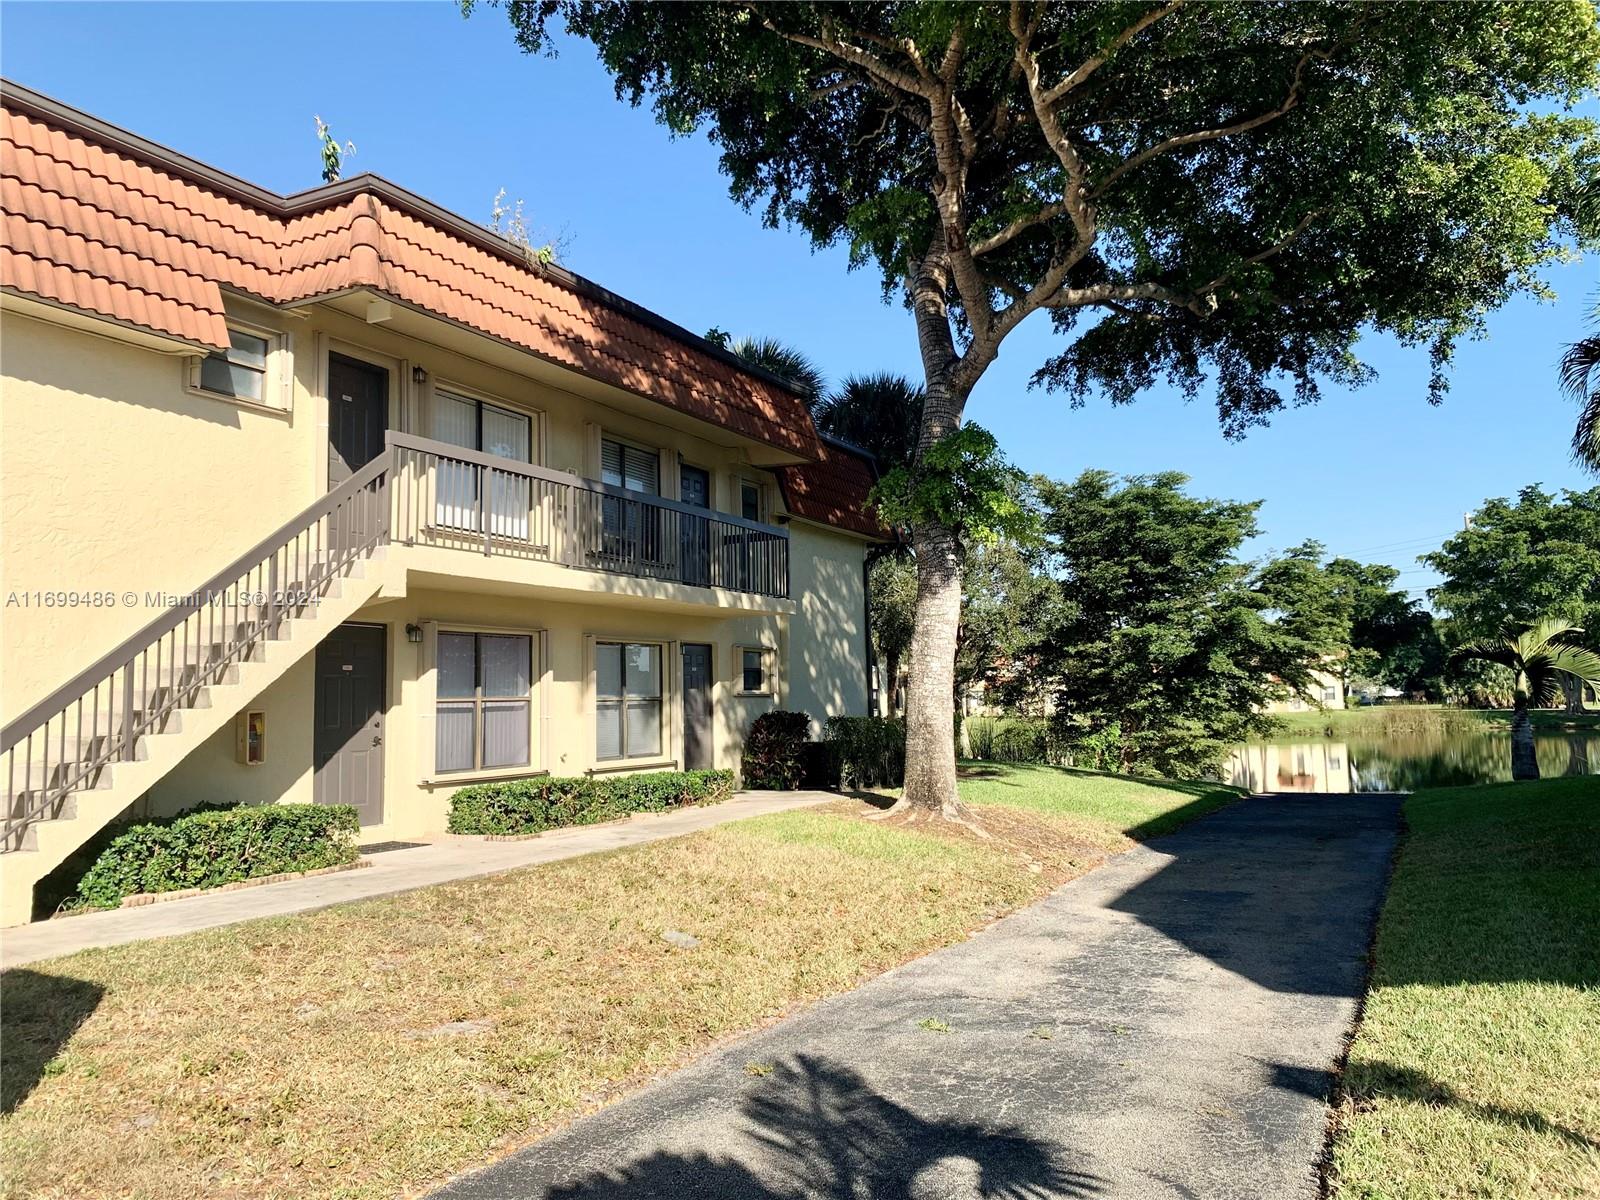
(241, 371)
(632, 527)
(627, 700)
(754, 676)
(477, 425)
(749, 500)
(631, 467)
(484, 701)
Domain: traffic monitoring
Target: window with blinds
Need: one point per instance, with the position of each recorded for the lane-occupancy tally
(636, 469)
(476, 425)
(484, 708)
(628, 700)
(632, 527)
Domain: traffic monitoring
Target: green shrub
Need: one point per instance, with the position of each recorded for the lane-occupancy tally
(869, 751)
(520, 806)
(211, 845)
(773, 751)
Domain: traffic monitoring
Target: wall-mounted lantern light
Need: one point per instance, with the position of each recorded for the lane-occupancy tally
(414, 633)
(418, 376)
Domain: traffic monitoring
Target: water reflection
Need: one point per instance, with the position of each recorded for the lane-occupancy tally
(1402, 761)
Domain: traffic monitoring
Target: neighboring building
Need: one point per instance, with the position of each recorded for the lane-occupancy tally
(456, 515)
(1326, 691)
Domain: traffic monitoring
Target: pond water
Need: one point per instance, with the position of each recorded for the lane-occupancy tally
(1402, 760)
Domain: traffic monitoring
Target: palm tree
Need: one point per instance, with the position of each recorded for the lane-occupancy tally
(1538, 656)
(1580, 365)
(880, 413)
(787, 363)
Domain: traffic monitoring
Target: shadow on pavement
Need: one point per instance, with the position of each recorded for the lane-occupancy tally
(817, 1129)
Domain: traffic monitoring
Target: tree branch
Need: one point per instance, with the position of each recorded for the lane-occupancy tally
(1021, 225)
(1261, 256)
(1208, 135)
(1090, 66)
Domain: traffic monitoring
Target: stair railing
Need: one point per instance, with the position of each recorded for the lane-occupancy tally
(63, 743)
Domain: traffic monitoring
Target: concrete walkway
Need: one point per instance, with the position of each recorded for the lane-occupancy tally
(1164, 1027)
(392, 871)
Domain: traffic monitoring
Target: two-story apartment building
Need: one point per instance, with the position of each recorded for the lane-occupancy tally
(340, 498)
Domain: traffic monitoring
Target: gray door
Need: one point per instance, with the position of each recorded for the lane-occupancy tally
(697, 755)
(348, 746)
(694, 537)
(358, 414)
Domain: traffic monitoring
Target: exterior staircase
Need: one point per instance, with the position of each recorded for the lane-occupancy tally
(77, 760)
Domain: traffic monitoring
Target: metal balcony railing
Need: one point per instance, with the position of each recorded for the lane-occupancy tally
(447, 496)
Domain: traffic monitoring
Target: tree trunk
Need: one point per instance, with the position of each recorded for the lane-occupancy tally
(930, 713)
(891, 690)
(1572, 688)
(1524, 763)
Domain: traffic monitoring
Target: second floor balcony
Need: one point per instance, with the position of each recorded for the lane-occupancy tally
(448, 497)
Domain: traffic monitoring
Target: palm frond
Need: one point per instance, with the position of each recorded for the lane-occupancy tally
(786, 362)
(1580, 379)
(1580, 662)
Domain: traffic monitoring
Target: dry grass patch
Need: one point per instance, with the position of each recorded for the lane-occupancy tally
(374, 1049)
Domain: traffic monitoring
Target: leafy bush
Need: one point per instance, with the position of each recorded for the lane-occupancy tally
(773, 751)
(521, 806)
(869, 751)
(212, 844)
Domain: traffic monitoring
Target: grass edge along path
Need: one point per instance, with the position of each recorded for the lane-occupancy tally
(1475, 1071)
(377, 1048)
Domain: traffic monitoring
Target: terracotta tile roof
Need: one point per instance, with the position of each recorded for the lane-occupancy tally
(99, 220)
(833, 490)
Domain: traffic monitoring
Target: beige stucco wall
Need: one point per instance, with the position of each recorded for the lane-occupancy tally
(415, 798)
(827, 645)
(116, 477)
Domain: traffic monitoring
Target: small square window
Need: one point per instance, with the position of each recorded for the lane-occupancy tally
(750, 500)
(753, 672)
(239, 371)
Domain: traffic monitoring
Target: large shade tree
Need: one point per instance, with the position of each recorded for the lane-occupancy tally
(1225, 195)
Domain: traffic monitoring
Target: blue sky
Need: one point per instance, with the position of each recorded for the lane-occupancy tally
(449, 108)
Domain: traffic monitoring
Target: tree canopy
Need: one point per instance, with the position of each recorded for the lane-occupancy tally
(1234, 191)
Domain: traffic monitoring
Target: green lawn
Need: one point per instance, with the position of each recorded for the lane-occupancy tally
(1139, 808)
(374, 1049)
(1476, 1071)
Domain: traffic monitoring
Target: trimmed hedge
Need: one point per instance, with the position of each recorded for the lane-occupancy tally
(774, 751)
(213, 844)
(521, 806)
(868, 751)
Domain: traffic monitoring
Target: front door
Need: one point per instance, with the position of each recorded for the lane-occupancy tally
(358, 414)
(349, 703)
(694, 538)
(697, 754)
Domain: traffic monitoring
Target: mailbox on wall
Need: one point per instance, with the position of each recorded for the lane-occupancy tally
(250, 746)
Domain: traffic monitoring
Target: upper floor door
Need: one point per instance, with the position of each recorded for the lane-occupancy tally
(358, 415)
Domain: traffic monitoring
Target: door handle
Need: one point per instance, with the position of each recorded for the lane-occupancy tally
(377, 740)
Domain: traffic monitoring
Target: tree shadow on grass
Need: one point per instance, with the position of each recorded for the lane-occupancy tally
(1368, 1082)
(41, 1013)
(817, 1129)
